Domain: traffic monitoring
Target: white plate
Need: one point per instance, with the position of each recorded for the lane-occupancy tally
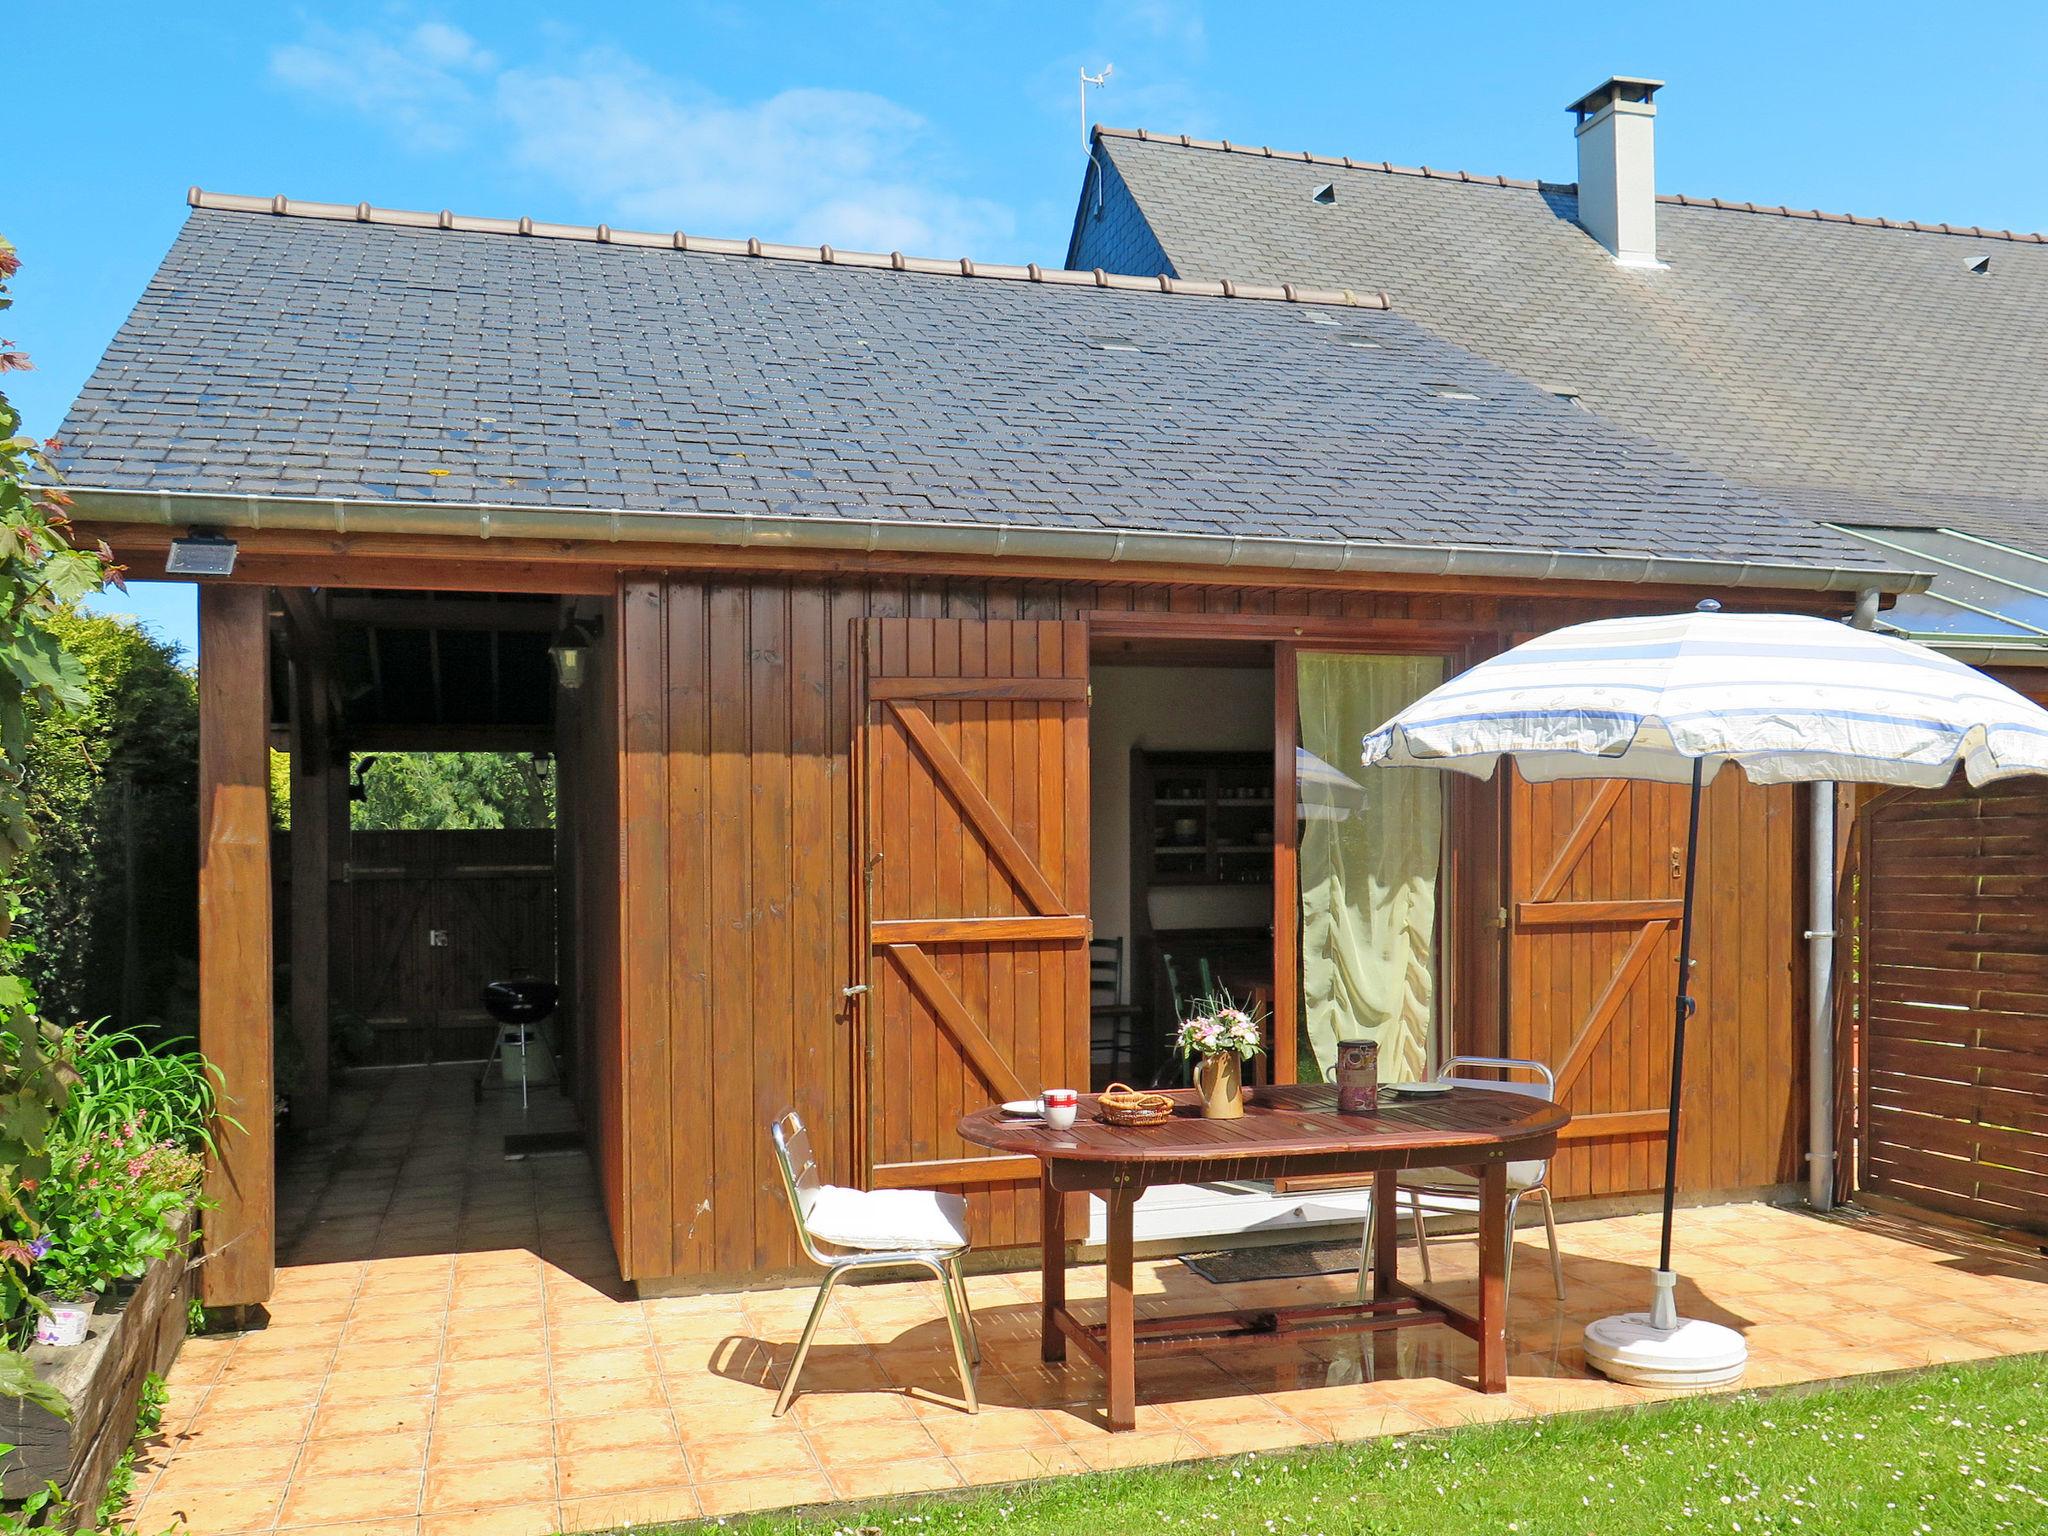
(1023, 1109)
(1418, 1090)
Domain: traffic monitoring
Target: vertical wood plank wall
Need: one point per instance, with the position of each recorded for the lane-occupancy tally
(732, 885)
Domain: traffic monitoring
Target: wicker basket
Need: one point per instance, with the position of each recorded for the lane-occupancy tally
(1121, 1104)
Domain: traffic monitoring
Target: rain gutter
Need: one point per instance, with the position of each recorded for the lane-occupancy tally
(899, 535)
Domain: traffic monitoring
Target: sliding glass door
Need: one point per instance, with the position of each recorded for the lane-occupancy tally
(1367, 849)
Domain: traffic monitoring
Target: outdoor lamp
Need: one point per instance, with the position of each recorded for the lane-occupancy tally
(201, 554)
(570, 652)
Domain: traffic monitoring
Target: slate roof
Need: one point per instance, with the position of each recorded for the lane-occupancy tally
(1856, 367)
(383, 357)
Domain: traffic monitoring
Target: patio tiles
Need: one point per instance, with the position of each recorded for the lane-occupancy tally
(451, 1351)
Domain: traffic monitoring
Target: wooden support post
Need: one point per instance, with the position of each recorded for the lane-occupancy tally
(313, 792)
(234, 942)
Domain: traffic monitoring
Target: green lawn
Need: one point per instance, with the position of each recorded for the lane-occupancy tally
(1962, 1449)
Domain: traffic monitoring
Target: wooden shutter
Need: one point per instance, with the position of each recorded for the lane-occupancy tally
(974, 746)
(1595, 884)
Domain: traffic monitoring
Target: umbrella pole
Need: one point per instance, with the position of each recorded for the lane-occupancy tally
(1683, 1012)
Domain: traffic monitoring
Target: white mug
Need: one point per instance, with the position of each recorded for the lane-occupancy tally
(1059, 1106)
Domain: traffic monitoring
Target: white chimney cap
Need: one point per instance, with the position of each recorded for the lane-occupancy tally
(1615, 88)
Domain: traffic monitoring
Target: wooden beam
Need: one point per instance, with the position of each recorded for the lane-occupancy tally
(239, 1236)
(451, 738)
(430, 562)
(313, 782)
(532, 616)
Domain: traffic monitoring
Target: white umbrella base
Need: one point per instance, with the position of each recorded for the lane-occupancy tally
(1630, 1348)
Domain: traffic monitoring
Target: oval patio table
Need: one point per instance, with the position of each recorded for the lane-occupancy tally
(1286, 1132)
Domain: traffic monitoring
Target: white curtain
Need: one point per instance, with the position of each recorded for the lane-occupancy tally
(1370, 860)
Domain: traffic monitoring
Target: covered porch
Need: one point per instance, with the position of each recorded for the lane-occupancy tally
(451, 1349)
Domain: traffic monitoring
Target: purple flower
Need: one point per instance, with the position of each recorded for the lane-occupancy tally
(41, 1247)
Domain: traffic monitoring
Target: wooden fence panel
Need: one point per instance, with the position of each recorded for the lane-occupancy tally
(1953, 918)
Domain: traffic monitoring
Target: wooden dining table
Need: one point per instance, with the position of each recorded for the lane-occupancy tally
(1285, 1132)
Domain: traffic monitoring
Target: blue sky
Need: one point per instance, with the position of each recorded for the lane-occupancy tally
(944, 130)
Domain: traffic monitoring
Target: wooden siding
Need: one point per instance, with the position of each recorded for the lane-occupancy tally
(738, 900)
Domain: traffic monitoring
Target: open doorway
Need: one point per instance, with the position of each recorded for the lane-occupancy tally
(1238, 848)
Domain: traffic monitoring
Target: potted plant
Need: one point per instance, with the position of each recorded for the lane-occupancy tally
(1219, 1037)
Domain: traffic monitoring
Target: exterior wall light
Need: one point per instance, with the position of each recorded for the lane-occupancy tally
(201, 554)
(570, 652)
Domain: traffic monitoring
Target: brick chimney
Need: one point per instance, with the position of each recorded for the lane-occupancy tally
(1617, 167)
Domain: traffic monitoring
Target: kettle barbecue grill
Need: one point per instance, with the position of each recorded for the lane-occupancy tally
(520, 1005)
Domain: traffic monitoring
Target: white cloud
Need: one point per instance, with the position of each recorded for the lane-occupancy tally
(420, 82)
(636, 148)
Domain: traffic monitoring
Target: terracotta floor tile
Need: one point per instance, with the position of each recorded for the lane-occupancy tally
(231, 1465)
(990, 1430)
(881, 1479)
(752, 1493)
(1136, 1449)
(512, 1406)
(210, 1430)
(336, 1500)
(215, 1511)
(232, 1397)
(742, 1456)
(358, 1455)
(461, 1378)
(846, 1445)
(469, 1445)
(622, 1470)
(398, 1416)
(574, 1400)
(609, 1433)
(397, 1525)
(646, 1506)
(454, 1489)
(1019, 1465)
(379, 1385)
(503, 1520)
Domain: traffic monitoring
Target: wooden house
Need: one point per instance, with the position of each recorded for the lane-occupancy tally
(934, 627)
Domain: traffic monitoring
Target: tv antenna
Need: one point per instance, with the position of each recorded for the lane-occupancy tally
(1086, 81)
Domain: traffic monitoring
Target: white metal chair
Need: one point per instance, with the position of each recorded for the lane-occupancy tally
(846, 1229)
(1456, 1190)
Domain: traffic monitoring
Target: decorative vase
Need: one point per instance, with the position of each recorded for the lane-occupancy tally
(1219, 1080)
(1358, 1077)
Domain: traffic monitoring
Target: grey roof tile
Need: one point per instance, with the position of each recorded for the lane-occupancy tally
(1855, 368)
(349, 359)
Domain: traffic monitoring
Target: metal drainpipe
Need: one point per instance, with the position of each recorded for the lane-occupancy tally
(1820, 970)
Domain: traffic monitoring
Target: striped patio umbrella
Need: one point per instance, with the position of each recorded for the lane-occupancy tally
(1786, 699)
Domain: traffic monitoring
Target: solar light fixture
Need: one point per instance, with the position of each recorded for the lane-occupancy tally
(201, 554)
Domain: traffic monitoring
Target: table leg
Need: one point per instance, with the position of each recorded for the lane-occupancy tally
(1121, 1341)
(1493, 1285)
(1386, 1229)
(1052, 1268)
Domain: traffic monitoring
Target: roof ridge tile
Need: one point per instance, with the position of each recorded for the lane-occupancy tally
(818, 255)
(1678, 199)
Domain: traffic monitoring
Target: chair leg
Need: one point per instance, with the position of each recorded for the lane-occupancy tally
(958, 1330)
(1421, 1232)
(1507, 1276)
(1550, 1226)
(803, 1345)
(966, 1308)
(1365, 1252)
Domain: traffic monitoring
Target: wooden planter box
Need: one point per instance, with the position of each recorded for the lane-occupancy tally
(102, 1379)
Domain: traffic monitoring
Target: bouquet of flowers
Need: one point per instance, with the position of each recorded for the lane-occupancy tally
(1217, 1026)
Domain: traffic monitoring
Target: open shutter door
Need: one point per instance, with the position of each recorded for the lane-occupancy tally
(1596, 877)
(975, 809)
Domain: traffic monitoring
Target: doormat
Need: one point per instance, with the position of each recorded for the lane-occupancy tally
(1281, 1261)
(542, 1143)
